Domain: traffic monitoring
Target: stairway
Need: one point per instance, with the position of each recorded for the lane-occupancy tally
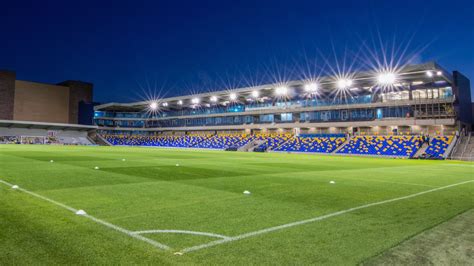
(251, 145)
(421, 150)
(342, 145)
(464, 149)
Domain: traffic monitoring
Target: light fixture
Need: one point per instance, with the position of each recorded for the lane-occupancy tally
(439, 73)
(344, 83)
(429, 74)
(233, 96)
(386, 79)
(195, 101)
(255, 94)
(311, 87)
(153, 105)
(165, 104)
(281, 90)
(180, 102)
(213, 99)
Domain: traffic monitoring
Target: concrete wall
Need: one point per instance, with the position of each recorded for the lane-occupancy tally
(41, 102)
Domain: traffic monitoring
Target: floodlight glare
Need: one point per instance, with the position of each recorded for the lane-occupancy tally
(387, 78)
(429, 74)
(255, 94)
(195, 100)
(180, 102)
(165, 104)
(213, 99)
(153, 105)
(233, 96)
(344, 83)
(281, 90)
(439, 73)
(311, 87)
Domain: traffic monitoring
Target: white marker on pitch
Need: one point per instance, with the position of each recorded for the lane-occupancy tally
(246, 192)
(123, 160)
(96, 168)
(52, 161)
(15, 187)
(177, 164)
(81, 212)
(332, 182)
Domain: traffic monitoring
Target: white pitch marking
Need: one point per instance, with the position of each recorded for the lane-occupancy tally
(315, 219)
(180, 232)
(97, 220)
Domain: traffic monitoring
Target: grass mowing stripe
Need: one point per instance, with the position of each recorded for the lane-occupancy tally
(180, 232)
(315, 219)
(97, 220)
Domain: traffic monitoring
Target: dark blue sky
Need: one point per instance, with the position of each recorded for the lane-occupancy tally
(129, 48)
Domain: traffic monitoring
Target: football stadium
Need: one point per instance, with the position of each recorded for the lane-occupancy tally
(374, 167)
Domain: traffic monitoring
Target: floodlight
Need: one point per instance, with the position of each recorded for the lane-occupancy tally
(281, 90)
(439, 73)
(386, 78)
(195, 100)
(180, 102)
(165, 104)
(311, 87)
(213, 99)
(233, 96)
(429, 74)
(344, 83)
(153, 105)
(255, 94)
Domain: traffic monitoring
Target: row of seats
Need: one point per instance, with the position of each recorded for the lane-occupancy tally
(312, 144)
(271, 140)
(224, 141)
(438, 146)
(405, 146)
(161, 141)
(400, 146)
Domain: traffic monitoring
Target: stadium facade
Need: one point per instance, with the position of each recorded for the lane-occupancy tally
(419, 99)
(419, 111)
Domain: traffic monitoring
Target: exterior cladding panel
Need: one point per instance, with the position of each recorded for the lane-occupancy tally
(463, 91)
(78, 92)
(7, 94)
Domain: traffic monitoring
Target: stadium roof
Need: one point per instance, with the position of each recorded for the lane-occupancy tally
(42, 125)
(363, 79)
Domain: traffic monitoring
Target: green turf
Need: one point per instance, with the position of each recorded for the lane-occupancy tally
(148, 191)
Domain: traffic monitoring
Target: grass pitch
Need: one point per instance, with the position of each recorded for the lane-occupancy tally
(294, 215)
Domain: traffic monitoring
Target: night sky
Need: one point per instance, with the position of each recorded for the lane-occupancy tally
(133, 49)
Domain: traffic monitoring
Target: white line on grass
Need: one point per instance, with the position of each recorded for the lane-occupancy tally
(180, 232)
(315, 219)
(97, 220)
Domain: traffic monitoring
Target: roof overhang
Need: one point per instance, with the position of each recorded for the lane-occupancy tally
(363, 79)
(43, 125)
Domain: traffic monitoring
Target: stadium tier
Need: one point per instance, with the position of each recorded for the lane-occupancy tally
(224, 141)
(405, 146)
(312, 144)
(438, 146)
(393, 146)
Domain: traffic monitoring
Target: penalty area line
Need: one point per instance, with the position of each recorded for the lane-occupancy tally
(90, 217)
(315, 219)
